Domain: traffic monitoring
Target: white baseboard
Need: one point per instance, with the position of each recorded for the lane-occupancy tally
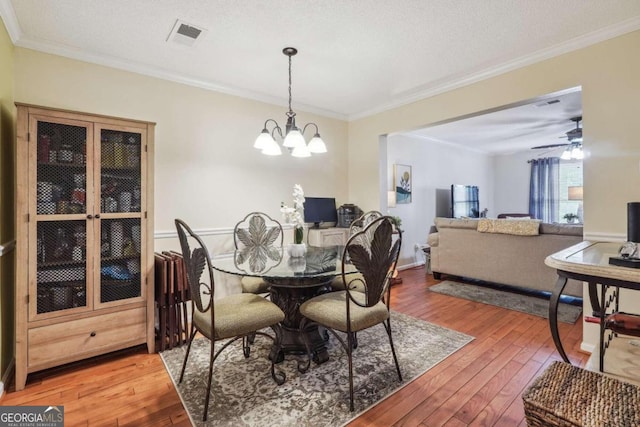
(587, 348)
(408, 266)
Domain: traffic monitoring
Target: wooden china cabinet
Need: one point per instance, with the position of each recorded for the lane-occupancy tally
(84, 202)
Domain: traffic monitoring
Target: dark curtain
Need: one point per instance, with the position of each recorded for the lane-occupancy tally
(544, 189)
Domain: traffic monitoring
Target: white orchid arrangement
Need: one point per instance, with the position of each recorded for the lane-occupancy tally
(295, 215)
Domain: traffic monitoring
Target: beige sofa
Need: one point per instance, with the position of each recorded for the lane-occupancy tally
(459, 249)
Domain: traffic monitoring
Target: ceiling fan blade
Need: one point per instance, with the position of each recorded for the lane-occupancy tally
(549, 146)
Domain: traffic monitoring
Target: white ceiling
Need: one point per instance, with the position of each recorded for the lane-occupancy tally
(540, 122)
(356, 57)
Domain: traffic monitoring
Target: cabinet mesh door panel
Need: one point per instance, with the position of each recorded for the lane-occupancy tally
(119, 259)
(120, 171)
(61, 171)
(61, 271)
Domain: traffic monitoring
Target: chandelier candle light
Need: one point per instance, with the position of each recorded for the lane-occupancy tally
(295, 215)
(293, 138)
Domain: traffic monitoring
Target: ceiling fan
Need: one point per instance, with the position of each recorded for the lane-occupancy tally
(574, 136)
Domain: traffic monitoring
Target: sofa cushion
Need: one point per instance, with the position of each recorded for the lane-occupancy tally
(566, 229)
(471, 224)
(518, 227)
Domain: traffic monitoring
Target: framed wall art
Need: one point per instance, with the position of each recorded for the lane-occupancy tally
(402, 181)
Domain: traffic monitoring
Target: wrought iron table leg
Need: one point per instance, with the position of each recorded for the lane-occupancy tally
(593, 299)
(553, 316)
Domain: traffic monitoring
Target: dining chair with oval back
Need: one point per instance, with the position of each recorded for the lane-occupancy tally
(254, 232)
(375, 254)
(228, 318)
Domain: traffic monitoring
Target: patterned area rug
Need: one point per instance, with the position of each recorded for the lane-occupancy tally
(513, 301)
(244, 394)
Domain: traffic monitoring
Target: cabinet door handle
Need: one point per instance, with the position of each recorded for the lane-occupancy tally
(89, 216)
(98, 216)
(93, 333)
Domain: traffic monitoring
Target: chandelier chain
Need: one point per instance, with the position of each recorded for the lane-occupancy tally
(290, 110)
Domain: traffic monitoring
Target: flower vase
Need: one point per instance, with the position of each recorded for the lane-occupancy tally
(297, 250)
(297, 265)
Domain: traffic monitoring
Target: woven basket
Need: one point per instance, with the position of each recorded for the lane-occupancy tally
(565, 395)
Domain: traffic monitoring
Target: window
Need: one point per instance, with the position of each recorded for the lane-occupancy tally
(570, 197)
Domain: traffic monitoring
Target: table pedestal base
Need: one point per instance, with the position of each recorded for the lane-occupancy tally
(293, 343)
(289, 298)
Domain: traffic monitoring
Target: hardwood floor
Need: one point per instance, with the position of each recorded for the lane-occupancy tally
(480, 385)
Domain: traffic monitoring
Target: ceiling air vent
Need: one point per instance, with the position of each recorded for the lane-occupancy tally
(545, 103)
(186, 34)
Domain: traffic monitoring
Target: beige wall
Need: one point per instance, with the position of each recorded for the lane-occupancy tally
(609, 75)
(7, 232)
(206, 169)
(208, 173)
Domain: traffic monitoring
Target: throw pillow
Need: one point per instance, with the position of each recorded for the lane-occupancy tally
(518, 227)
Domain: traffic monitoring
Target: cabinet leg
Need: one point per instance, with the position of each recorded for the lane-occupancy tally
(21, 378)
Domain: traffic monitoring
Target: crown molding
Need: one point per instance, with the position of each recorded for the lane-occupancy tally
(146, 70)
(10, 20)
(408, 97)
(402, 98)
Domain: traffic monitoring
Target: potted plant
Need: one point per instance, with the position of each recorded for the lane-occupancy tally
(295, 216)
(570, 217)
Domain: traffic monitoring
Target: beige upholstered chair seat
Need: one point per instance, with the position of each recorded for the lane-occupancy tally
(356, 285)
(238, 314)
(254, 285)
(330, 310)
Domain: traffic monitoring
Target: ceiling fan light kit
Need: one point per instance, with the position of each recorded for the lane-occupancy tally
(293, 137)
(573, 150)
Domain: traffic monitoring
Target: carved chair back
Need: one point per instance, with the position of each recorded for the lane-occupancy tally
(361, 223)
(196, 261)
(257, 229)
(375, 254)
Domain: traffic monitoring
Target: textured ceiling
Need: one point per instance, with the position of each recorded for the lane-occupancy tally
(539, 122)
(355, 57)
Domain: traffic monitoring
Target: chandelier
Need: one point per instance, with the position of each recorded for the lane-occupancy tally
(292, 138)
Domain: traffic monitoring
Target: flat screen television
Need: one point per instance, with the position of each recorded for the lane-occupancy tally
(319, 210)
(465, 201)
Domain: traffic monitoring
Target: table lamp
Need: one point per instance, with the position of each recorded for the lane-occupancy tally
(575, 193)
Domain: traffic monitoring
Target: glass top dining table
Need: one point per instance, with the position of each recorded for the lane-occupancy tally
(276, 266)
(292, 281)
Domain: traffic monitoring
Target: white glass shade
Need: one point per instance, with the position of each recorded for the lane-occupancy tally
(302, 151)
(294, 139)
(263, 140)
(577, 153)
(317, 145)
(566, 154)
(272, 148)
